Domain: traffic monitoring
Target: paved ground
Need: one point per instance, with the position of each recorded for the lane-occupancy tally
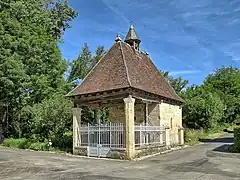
(205, 161)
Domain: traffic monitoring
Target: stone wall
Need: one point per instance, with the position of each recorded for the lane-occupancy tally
(116, 113)
(153, 114)
(171, 116)
(139, 113)
(158, 114)
(82, 151)
(149, 150)
(113, 153)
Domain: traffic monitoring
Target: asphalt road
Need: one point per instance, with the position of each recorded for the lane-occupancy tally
(207, 161)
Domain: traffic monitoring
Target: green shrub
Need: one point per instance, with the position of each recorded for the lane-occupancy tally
(39, 146)
(235, 147)
(25, 144)
(21, 143)
(237, 137)
(191, 136)
(63, 142)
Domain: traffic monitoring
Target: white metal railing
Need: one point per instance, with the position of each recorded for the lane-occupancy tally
(112, 135)
(108, 135)
(146, 135)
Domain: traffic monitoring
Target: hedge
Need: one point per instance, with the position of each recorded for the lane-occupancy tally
(236, 146)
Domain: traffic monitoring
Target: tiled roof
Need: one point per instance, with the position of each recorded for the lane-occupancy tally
(122, 67)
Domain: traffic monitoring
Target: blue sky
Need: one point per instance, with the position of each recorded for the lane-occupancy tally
(189, 38)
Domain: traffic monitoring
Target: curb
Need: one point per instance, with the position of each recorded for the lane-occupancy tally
(164, 152)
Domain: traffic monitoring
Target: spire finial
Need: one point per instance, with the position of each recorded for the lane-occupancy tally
(131, 24)
(132, 37)
(118, 38)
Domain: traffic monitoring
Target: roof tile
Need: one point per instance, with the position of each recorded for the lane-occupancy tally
(121, 67)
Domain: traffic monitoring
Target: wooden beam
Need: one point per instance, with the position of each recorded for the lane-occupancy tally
(102, 103)
(102, 97)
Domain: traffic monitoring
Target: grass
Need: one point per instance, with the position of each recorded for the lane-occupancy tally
(192, 136)
(23, 143)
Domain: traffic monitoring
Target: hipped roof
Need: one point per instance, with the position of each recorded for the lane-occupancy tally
(124, 67)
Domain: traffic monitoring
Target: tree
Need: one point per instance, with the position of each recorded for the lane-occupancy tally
(178, 84)
(31, 65)
(49, 119)
(99, 53)
(80, 68)
(226, 83)
(85, 62)
(202, 109)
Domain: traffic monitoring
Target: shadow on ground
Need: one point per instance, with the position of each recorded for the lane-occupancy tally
(223, 148)
(218, 140)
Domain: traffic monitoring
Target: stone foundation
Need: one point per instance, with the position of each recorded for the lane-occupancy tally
(113, 153)
(150, 150)
(82, 151)
(121, 153)
(117, 154)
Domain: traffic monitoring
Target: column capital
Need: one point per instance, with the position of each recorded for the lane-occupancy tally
(129, 99)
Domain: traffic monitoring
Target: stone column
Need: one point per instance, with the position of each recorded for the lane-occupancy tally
(97, 115)
(76, 127)
(129, 127)
(167, 136)
(146, 114)
(181, 136)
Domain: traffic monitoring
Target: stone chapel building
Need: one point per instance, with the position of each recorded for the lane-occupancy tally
(127, 82)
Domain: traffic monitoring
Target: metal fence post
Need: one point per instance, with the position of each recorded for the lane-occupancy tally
(88, 148)
(140, 134)
(110, 134)
(99, 140)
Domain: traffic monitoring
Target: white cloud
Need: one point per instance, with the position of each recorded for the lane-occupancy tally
(183, 72)
(113, 9)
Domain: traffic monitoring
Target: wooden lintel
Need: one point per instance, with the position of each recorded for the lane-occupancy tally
(148, 101)
(105, 100)
(102, 96)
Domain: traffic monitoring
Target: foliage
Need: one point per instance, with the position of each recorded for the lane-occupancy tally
(202, 109)
(84, 63)
(226, 83)
(178, 84)
(237, 136)
(51, 118)
(194, 136)
(31, 65)
(79, 69)
(63, 142)
(236, 146)
(22, 143)
(39, 146)
(32, 85)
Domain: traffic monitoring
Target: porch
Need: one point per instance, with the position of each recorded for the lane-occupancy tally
(136, 128)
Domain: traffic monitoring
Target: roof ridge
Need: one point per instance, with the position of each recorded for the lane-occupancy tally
(69, 94)
(164, 79)
(125, 64)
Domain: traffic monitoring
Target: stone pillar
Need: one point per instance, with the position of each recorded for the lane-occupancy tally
(76, 127)
(129, 127)
(97, 115)
(167, 136)
(181, 136)
(146, 114)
